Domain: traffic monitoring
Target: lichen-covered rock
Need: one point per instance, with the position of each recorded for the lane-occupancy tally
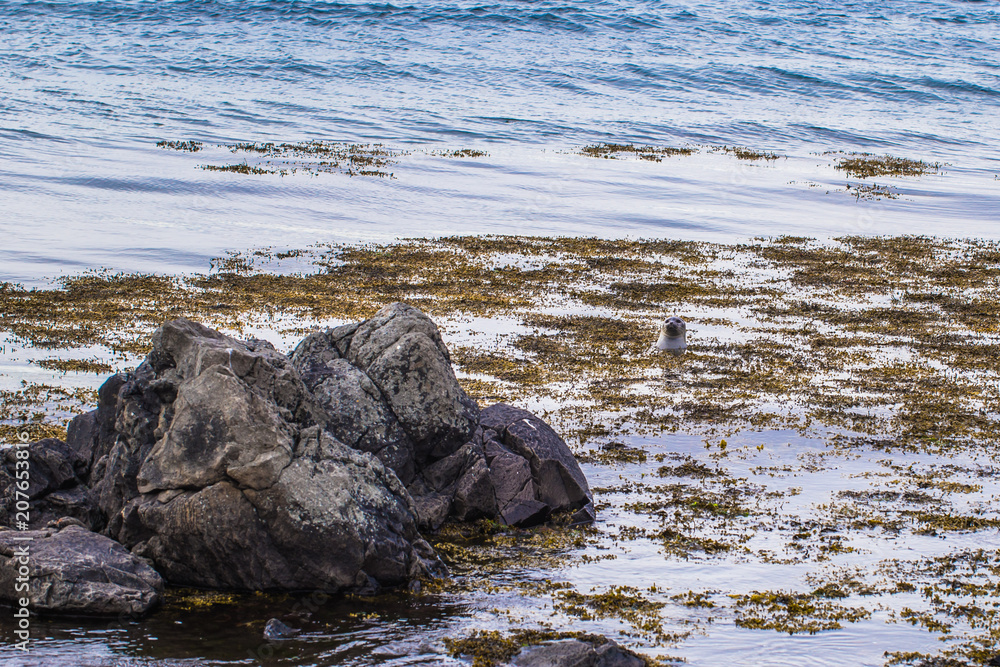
(400, 352)
(75, 571)
(386, 386)
(355, 411)
(218, 469)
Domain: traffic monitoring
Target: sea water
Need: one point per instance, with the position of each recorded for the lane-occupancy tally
(89, 88)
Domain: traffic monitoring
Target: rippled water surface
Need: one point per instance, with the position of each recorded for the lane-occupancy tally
(87, 89)
(90, 87)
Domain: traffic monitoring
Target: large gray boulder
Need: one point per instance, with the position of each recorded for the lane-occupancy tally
(386, 386)
(75, 571)
(212, 461)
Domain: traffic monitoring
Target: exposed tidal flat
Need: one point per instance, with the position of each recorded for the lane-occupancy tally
(814, 480)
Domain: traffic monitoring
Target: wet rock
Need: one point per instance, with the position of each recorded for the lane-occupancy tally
(54, 485)
(386, 386)
(221, 473)
(275, 630)
(576, 653)
(532, 469)
(566, 653)
(75, 571)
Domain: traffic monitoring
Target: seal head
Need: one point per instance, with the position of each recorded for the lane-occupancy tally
(673, 336)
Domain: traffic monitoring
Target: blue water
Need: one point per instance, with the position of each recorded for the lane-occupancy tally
(88, 88)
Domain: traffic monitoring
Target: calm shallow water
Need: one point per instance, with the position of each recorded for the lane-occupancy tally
(409, 629)
(88, 88)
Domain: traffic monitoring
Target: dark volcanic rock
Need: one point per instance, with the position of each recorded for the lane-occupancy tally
(512, 438)
(386, 386)
(217, 469)
(55, 486)
(75, 571)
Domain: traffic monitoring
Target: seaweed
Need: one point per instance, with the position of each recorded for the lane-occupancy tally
(648, 153)
(868, 165)
(189, 146)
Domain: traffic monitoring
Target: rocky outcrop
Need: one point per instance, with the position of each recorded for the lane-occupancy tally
(387, 387)
(229, 465)
(75, 571)
(211, 460)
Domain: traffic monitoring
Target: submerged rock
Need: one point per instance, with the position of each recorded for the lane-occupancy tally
(76, 571)
(275, 630)
(576, 653)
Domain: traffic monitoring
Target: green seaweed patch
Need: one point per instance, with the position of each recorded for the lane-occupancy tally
(193, 599)
(624, 603)
(488, 547)
(649, 153)
(41, 410)
(690, 468)
(871, 191)
(240, 168)
(701, 600)
(188, 146)
(869, 165)
(317, 156)
(794, 613)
